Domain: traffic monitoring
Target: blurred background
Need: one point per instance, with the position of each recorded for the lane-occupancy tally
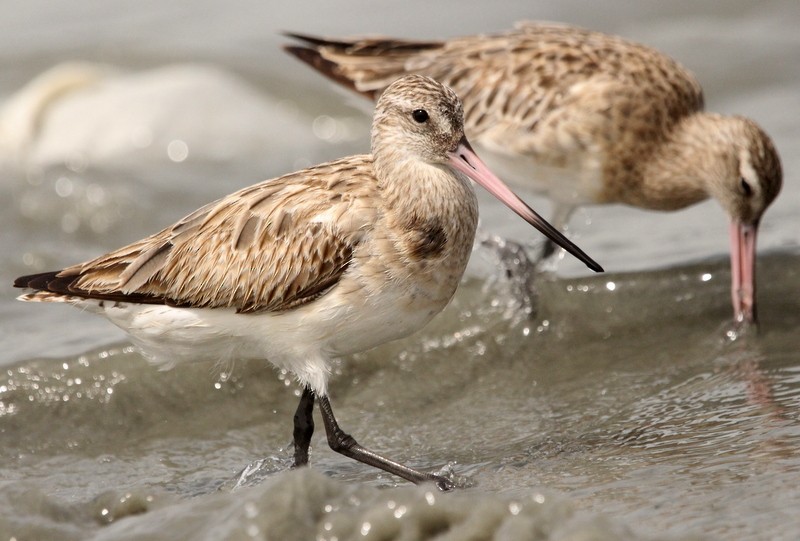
(118, 118)
(197, 99)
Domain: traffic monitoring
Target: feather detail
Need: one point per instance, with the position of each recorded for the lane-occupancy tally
(269, 247)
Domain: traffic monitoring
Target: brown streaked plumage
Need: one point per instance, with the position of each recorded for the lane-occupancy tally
(309, 266)
(270, 226)
(586, 118)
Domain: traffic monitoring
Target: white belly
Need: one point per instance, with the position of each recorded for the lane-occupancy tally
(578, 183)
(302, 340)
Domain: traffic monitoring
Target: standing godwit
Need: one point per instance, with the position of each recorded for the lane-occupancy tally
(585, 118)
(312, 265)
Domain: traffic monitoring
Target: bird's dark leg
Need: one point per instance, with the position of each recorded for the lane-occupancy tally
(548, 249)
(343, 443)
(303, 427)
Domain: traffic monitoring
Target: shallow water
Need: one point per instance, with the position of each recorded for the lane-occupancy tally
(660, 424)
(566, 407)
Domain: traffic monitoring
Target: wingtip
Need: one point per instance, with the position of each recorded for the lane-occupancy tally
(39, 286)
(315, 41)
(314, 58)
(306, 54)
(36, 281)
(291, 34)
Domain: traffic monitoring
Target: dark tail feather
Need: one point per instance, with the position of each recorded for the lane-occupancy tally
(51, 282)
(64, 285)
(367, 46)
(317, 41)
(313, 58)
(364, 65)
(39, 281)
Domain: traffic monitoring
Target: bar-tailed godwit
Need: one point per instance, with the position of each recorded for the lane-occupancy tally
(312, 265)
(585, 118)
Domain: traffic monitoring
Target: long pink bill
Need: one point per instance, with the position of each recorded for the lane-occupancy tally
(464, 159)
(743, 271)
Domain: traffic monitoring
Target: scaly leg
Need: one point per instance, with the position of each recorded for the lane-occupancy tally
(303, 427)
(344, 444)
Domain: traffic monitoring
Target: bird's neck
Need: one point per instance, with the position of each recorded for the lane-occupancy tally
(682, 169)
(416, 188)
(432, 209)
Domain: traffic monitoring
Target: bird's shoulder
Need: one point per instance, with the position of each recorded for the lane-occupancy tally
(267, 247)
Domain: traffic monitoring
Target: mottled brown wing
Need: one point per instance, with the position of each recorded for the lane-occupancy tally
(503, 75)
(269, 247)
(508, 81)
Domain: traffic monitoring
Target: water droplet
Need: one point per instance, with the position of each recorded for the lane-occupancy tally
(611, 286)
(64, 187)
(365, 528)
(514, 508)
(177, 150)
(324, 127)
(96, 194)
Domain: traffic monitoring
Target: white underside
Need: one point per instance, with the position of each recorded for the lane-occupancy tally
(576, 185)
(302, 341)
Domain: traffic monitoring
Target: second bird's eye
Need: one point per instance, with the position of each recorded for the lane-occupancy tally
(747, 190)
(420, 115)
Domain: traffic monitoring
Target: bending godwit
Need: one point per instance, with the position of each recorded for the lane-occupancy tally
(312, 265)
(586, 118)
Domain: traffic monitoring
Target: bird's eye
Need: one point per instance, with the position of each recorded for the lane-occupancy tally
(419, 115)
(747, 190)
